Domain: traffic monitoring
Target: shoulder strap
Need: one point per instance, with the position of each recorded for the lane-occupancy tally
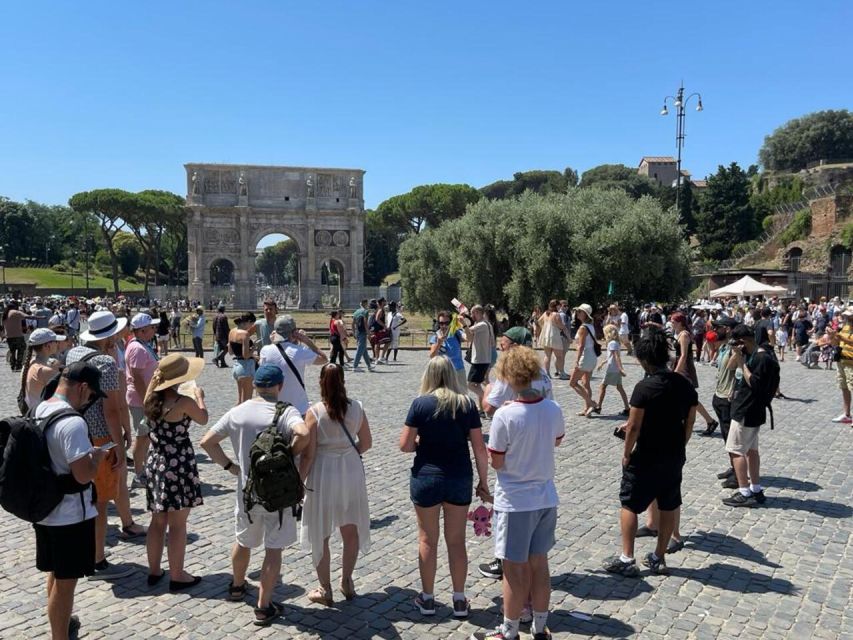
(349, 436)
(290, 364)
(56, 416)
(280, 408)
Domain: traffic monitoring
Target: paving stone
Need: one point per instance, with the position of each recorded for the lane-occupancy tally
(780, 571)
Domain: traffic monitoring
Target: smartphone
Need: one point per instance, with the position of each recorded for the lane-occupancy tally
(107, 447)
(619, 433)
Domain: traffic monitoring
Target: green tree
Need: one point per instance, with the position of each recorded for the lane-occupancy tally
(823, 135)
(279, 263)
(537, 181)
(109, 207)
(129, 253)
(523, 251)
(381, 243)
(619, 176)
(426, 206)
(16, 231)
(726, 215)
(152, 213)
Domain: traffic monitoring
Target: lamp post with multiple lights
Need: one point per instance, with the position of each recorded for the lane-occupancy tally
(680, 103)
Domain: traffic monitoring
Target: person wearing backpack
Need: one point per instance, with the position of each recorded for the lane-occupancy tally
(756, 383)
(65, 538)
(359, 329)
(249, 426)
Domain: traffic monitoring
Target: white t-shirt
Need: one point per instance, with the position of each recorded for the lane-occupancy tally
(500, 392)
(525, 431)
(612, 349)
(300, 355)
(624, 329)
(67, 442)
(243, 423)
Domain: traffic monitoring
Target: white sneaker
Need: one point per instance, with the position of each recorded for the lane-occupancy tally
(843, 419)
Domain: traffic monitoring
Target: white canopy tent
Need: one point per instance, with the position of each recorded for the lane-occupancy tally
(747, 286)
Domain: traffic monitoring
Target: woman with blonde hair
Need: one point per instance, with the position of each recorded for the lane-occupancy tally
(551, 335)
(173, 485)
(441, 422)
(334, 476)
(615, 371)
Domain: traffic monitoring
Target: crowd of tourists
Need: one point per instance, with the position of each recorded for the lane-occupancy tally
(118, 398)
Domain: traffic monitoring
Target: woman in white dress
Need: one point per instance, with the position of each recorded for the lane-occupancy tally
(336, 495)
(586, 359)
(551, 339)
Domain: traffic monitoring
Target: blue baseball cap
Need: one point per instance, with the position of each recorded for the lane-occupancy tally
(268, 375)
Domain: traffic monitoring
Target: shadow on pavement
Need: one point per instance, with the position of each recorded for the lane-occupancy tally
(209, 490)
(781, 482)
(823, 508)
(732, 578)
(725, 545)
(598, 586)
(599, 626)
(384, 521)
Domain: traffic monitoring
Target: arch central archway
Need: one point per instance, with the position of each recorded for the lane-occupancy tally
(277, 270)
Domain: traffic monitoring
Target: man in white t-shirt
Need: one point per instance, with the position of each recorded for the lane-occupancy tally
(242, 425)
(65, 539)
(521, 450)
(291, 351)
(481, 337)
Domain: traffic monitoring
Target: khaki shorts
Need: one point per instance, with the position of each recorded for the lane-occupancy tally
(741, 439)
(106, 478)
(845, 375)
(139, 422)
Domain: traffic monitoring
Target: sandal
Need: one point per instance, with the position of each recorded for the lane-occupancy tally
(646, 532)
(235, 593)
(265, 616)
(322, 595)
(588, 413)
(596, 409)
(131, 531)
(348, 589)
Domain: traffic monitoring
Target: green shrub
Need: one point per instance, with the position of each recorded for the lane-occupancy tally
(746, 247)
(799, 228)
(768, 222)
(847, 235)
(61, 268)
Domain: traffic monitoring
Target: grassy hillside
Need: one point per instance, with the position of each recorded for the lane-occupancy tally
(54, 279)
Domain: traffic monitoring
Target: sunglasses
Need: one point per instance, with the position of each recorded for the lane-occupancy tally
(443, 324)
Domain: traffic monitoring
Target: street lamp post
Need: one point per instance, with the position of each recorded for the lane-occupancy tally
(47, 249)
(679, 102)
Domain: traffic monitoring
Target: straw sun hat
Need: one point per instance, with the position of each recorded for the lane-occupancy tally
(176, 369)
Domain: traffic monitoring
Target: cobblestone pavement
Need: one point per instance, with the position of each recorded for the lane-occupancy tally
(784, 570)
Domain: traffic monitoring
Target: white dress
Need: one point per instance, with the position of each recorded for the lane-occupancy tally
(336, 490)
(550, 337)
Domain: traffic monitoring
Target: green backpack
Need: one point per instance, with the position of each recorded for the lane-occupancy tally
(273, 477)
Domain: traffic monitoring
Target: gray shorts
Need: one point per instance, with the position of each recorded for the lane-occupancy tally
(139, 422)
(520, 534)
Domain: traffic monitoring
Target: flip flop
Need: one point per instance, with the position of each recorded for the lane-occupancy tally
(646, 532)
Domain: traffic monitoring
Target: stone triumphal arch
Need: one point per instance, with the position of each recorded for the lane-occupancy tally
(233, 206)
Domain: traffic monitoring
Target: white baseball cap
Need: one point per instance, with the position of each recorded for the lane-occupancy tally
(43, 336)
(142, 320)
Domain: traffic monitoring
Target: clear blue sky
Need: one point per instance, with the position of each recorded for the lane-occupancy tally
(121, 94)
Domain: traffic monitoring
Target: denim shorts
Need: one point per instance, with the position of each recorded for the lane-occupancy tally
(431, 489)
(243, 368)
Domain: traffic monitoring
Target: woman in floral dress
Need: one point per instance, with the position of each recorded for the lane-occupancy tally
(173, 483)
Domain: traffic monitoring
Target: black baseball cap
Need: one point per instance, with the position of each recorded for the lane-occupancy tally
(730, 323)
(85, 372)
(741, 332)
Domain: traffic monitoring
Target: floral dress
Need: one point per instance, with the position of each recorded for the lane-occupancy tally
(173, 482)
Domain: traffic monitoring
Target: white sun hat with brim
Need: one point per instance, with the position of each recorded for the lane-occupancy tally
(142, 320)
(103, 325)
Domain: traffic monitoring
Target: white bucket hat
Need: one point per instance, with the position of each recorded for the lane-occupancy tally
(103, 325)
(586, 309)
(142, 320)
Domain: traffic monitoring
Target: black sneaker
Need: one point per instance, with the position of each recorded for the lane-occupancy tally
(760, 498)
(658, 566)
(730, 483)
(627, 569)
(425, 605)
(737, 499)
(711, 428)
(493, 569)
(728, 473)
(461, 608)
(542, 635)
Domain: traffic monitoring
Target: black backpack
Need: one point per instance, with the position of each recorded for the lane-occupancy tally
(770, 383)
(273, 479)
(29, 487)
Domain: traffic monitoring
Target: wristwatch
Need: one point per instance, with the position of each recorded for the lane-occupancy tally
(228, 466)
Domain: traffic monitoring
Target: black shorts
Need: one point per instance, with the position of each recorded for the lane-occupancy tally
(67, 551)
(723, 409)
(642, 485)
(477, 373)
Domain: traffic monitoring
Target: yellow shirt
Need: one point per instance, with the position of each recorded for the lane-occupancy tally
(846, 332)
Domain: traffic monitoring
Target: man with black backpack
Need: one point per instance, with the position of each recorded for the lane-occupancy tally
(65, 538)
(261, 430)
(756, 383)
